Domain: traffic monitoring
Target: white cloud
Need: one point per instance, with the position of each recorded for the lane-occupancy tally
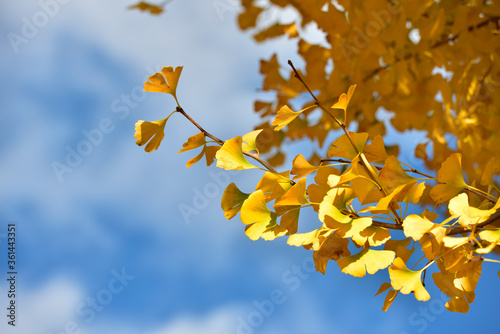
(46, 309)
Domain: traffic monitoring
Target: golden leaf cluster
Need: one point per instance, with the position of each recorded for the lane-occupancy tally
(435, 65)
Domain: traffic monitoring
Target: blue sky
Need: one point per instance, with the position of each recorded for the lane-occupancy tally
(104, 248)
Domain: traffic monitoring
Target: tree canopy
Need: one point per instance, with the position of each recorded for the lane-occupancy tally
(434, 65)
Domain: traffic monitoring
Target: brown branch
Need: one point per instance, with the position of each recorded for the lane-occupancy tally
(410, 169)
(387, 225)
(221, 142)
(493, 218)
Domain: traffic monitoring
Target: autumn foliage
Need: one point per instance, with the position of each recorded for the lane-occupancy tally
(435, 66)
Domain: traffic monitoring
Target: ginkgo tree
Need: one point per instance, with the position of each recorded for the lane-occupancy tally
(374, 211)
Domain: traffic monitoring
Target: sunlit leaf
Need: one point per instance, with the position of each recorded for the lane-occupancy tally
(151, 133)
(254, 209)
(265, 230)
(451, 177)
(415, 226)
(290, 221)
(343, 148)
(301, 167)
(467, 215)
(194, 142)
(400, 248)
(232, 200)
(371, 236)
(375, 151)
(332, 248)
(284, 117)
(249, 141)
(449, 285)
(406, 280)
(344, 99)
(392, 174)
(307, 240)
(164, 82)
(367, 261)
(296, 195)
(230, 156)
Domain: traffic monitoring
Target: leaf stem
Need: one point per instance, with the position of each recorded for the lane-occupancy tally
(481, 193)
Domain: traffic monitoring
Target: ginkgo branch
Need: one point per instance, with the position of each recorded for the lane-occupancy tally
(493, 218)
(409, 169)
(221, 142)
(344, 128)
(481, 193)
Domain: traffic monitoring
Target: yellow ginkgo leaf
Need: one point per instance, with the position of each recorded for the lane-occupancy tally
(468, 215)
(420, 151)
(450, 285)
(452, 242)
(372, 236)
(389, 298)
(399, 247)
(210, 152)
(384, 204)
(368, 260)
(301, 167)
(332, 248)
(265, 230)
(147, 7)
(384, 287)
(249, 139)
(415, 226)
(406, 280)
(451, 177)
(295, 196)
(489, 171)
(254, 209)
(152, 132)
(343, 148)
(392, 174)
(197, 158)
(375, 151)
(492, 236)
(317, 191)
(164, 82)
(285, 116)
(290, 221)
(344, 99)
(194, 142)
(308, 240)
(274, 185)
(232, 200)
(328, 212)
(230, 156)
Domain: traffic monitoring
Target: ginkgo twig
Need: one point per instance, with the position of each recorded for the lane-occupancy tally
(221, 142)
(206, 133)
(481, 193)
(493, 218)
(387, 225)
(410, 169)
